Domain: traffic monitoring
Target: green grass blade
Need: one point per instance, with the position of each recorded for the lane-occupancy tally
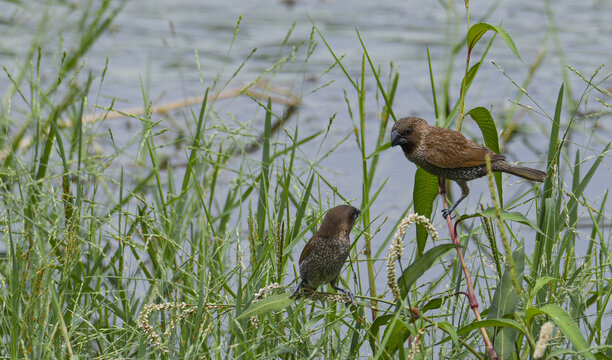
(195, 145)
(547, 190)
(262, 203)
(433, 88)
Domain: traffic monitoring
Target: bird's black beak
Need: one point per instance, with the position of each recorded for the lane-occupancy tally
(396, 139)
(356, 213)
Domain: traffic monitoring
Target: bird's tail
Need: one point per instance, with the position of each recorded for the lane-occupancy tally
(521, 171)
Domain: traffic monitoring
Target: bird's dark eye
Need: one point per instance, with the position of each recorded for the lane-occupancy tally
(408, 131)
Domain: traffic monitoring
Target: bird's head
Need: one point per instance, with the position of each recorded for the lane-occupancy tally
(407, 132)
(339, 219)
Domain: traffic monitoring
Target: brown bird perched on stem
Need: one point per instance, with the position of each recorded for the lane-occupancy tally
(447, 154)
(325, 253)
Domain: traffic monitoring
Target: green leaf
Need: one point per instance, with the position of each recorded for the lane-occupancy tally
(382, 148)
(505, 215)
(504, 303)
(579, 189)
(421, 264)
(450, 329)
(271, 303)
(262, 203)
(485, 122)
(424, 194)
(540, 283)
(486, 323)
(399, 332)
(471, 75)
(547, 190)
(565, 323)
(432, 304)
(375, 327)
(477, 30)
(490, 323)
(608, 351)
(301, 211)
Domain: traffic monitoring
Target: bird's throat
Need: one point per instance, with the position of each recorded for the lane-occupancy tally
(408, 148)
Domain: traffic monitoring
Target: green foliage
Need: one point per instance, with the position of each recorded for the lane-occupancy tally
(272, 303)
(478, 30)
(99, 246)
(565, 323)
(424, 193)
(487, 126)
(423, 263)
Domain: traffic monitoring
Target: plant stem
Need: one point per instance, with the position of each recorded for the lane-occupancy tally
(470, 287)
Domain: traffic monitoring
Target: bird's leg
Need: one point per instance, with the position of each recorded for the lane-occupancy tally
(465, 190)
(297, 293)
(346, 292)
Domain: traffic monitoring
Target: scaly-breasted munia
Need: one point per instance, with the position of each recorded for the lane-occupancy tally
(449, 155)
(325, 253)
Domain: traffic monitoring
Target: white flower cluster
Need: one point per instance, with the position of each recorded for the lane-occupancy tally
(260, 294)
(265, 290)
(143, 320)
(546, 333)
(397, 247)
(155, 338)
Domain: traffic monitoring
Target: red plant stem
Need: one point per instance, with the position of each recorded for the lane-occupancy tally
(468, 279)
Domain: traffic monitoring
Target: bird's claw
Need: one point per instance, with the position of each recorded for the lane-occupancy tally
(350, 297)
(297, 293)
(446, 213)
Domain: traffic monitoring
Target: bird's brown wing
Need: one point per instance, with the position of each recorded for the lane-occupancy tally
(450, 149)
(308, 247)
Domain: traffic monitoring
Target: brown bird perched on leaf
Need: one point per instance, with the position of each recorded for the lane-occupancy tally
(447, 154)
(325, 253)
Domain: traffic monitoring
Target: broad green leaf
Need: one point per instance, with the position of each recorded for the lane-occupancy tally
(375, 327)
(477, 30)
(490, 323)
(540, 284)
(433, 304)
(486, 323)
(271, 303)
(504, 303)
(398, 333)
(485, 122)
(423, 195)
(566, 324)
(450, 329)
(505, 215)
(421, 264)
